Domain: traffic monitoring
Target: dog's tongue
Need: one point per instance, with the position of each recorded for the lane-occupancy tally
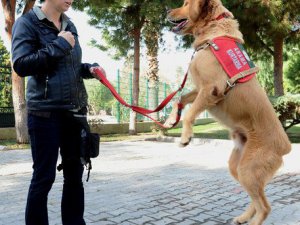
(179, 26)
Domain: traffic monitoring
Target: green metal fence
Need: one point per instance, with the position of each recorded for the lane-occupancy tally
(123, 83)
(7, 118)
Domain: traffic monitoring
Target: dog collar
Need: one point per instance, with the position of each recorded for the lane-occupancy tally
(222, 16)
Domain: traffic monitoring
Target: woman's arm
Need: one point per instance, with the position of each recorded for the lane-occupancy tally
(86, 70)
(27, 58)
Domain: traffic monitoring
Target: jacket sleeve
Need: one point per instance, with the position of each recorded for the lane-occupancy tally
(85, 70)
(28, 59)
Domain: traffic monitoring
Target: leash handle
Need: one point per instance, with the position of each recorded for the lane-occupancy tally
(138, 109)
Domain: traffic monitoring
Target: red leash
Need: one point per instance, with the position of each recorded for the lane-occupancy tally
(141, 110)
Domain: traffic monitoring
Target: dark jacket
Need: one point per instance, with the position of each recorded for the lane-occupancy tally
(55, 69)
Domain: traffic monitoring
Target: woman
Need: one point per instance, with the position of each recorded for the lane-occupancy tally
(45, 48)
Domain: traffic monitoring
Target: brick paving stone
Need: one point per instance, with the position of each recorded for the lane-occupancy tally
(123, 217)
(211, 223)
(100, 216)
(164, 221)
(224, 219)
(186, 222)
(195, 211)
(175, 211)
(127, 223)
(200, 218)
(208, 206)
(103, 222)
(118, 211)
(141, 220)
(181, 216)
(159, 215)
(171, 205)
(156, 209)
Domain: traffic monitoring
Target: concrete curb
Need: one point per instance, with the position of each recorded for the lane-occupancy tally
(200, 141)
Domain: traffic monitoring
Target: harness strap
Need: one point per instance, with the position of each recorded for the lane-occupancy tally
(232, 81)
(223, 15)
(138, 109)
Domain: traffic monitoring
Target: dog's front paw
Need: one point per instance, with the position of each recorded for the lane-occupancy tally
(184, 143)
(172, 117)
(170, 121)
(185, 140)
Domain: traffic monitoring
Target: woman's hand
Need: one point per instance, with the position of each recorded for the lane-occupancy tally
(93, 72)
(68, 36)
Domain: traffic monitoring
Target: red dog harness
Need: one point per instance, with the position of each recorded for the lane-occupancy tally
(233, 58)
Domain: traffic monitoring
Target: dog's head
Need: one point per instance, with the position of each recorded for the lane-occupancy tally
(193, 12)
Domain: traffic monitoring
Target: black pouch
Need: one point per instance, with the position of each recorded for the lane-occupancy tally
(89, 148)
(89, 142)
(89, 145)
(93, 145)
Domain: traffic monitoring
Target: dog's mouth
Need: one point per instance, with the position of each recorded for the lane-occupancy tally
(180, 24)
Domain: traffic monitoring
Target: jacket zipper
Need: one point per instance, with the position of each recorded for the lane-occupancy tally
(77, 92)
(46, 87)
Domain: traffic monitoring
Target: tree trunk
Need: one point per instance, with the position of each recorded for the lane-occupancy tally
(28, 6)
(153, 83)
(278, 66)
(9, 9)
(136, 76)
(18, 89)
(18, 83)
(152, 73)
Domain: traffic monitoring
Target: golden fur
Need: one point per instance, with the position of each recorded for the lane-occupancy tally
(260, 141)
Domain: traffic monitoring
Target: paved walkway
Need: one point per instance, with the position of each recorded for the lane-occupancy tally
(155, 183)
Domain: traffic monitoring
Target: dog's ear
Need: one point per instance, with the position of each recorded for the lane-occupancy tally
(195, 9)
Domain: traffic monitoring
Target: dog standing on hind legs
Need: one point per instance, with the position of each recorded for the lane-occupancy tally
(244, 108)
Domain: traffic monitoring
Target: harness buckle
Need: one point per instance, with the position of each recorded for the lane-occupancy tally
(215, 46)
(231, 85)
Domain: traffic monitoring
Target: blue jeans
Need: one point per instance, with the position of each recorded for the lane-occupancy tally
(48, 134)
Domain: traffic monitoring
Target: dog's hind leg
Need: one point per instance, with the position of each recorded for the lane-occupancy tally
(234, 162)
(259, 205)
(185, 99)
(257, 166)
(239, 139)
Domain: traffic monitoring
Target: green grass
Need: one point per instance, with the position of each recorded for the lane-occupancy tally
(211, 131)
(123, 137)
(294, 133)
(11, 144)
(216, 131)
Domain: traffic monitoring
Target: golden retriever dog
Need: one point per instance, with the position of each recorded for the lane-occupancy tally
(260, 141)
